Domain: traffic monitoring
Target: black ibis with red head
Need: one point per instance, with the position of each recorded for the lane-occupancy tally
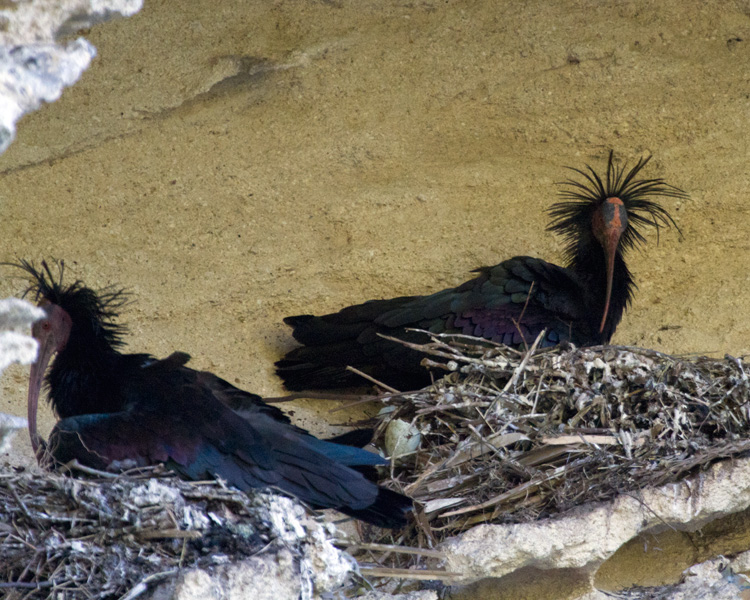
(600, 219)
(134, 408)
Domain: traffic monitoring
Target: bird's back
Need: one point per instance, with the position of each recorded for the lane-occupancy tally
(183, 418)
(510, 303)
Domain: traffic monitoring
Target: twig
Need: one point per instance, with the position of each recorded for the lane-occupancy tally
(143, 584)
(21, 503)
(517, 322)
(396, 549)
(317, 396)
(154, 534)
(421, 574)
(74, 465)
(524, 361)
(373, 380)
(26, 585)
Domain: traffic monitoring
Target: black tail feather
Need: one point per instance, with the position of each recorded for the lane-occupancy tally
(298, 377)
(390, 510)
(358, 438)
(351, 337)
(301, 376)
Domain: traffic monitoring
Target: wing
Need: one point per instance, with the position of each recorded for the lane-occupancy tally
(191, 432)
(173, 369)
(249, 406)
(151, 437)
(509, 303)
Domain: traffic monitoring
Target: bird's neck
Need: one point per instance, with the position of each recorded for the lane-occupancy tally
(589, 264)
(81, 378)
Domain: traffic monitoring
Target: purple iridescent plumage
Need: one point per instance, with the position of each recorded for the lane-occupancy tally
(511, 303)
(116, 407)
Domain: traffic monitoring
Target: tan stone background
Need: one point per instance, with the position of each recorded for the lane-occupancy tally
(234, 162)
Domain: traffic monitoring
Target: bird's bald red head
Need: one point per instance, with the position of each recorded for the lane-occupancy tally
(54, 328)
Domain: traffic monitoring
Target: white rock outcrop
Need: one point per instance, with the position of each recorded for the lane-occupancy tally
(15, 347)
(302, 563)
(588, 536)
(34, 66)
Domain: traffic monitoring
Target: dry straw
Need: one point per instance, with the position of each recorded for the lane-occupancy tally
(513, 436)
(506, 437)
(117, 536)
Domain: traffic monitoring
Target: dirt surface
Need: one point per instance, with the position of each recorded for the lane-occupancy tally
(233, 163)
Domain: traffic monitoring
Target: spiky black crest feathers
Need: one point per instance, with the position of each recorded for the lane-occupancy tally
(98, 309)
(572, 217)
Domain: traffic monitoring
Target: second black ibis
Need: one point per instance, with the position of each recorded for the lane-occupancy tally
(600, 218)
(118, 407)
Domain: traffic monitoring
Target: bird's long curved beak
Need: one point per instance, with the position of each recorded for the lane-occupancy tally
(609, 251)
(52, 333)
(46, 350)
(611, 221)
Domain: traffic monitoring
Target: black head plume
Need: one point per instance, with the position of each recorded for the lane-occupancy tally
(87, 308)
(572, 217)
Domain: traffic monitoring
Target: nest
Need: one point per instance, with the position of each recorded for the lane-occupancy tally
(505, 437)
(513, 436)
(117, 537)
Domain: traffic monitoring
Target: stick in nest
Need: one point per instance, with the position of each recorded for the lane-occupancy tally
(628, 418)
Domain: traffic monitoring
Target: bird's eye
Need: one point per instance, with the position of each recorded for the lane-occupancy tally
(46, 325)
